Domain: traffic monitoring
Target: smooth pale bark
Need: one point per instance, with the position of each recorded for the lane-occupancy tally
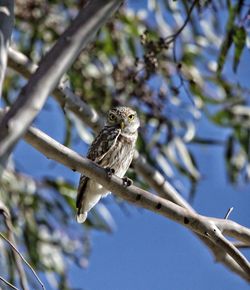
(6, 25)
(56, 62)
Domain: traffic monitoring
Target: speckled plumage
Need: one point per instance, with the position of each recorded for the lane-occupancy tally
(112, 148)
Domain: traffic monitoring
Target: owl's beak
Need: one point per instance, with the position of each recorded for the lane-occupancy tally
(122, 125)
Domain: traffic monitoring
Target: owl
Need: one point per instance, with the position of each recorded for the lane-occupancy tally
(113, 148)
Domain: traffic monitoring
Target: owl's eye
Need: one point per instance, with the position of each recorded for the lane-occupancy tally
(131, 117)
(111, 117)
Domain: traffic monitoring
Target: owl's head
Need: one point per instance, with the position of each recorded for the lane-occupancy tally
(125, 118)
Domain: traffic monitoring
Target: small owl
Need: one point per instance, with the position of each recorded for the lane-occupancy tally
(113, 148)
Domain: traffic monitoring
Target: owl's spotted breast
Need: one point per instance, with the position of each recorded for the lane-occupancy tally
(121, 155)
(103, 143)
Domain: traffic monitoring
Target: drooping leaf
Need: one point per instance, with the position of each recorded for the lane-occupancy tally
(230, 31)
(226, 44)
(229, 152)
(68, 132)
(207, 141)
(186, 158)
(102, 219)
(164, 165)
(239, 39)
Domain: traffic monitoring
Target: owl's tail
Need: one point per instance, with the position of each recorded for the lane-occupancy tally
(81, 216)
(88, 201)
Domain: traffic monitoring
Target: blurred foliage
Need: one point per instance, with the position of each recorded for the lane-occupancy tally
(176, 62)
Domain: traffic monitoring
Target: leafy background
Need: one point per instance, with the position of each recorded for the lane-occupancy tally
(190, 86)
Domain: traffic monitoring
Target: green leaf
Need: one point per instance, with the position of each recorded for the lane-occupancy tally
(230, 30)
(222, 118)
(226, 44)
(239, 39)
(243, 136)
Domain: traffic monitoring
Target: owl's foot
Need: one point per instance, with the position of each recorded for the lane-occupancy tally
(110, 171)
(127, 181)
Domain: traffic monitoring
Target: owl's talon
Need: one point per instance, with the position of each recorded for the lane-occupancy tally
(127, 181)
(110, 171)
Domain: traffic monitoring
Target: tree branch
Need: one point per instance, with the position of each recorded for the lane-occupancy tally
(24, 66)
(8, 283)
(234, 230)
(202, 225)
(241, 245)
(178, 32)
(154, 178)
(33, 96)
(6, 24)
(11, 239)
(17, 255)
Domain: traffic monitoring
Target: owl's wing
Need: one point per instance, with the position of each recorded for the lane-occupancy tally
(80, 190)
(103, 143)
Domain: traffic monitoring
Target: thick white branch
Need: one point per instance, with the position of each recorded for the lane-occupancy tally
(33, 96)
(202, 225)
(234, 230)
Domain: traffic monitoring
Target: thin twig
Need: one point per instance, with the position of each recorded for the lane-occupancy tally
(11, 241)
(178, 32)
(173, 38)
(8, 283)
(24, 260)
(228, 213)
(22, 276)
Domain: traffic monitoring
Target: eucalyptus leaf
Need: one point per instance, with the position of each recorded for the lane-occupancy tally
(239, 39)
(185, 158)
